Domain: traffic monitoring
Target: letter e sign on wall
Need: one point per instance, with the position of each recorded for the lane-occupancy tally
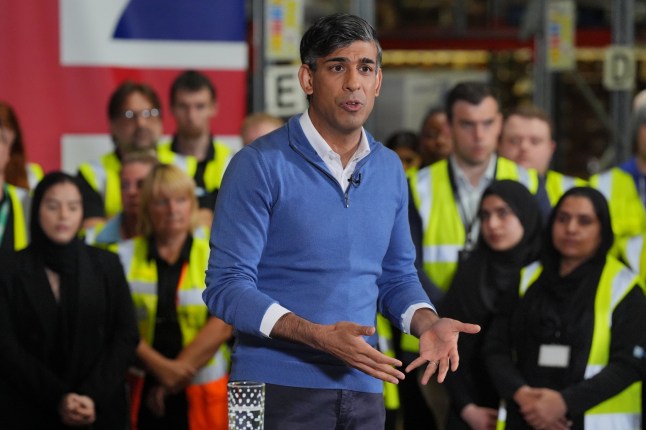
(283, 94)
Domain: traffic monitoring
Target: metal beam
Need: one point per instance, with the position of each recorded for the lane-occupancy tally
(543, 83)
(258, 73)
(459, 17)
(365, 9)
(623, 33)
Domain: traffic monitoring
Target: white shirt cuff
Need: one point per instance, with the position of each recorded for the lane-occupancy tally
(407, 317)
(271, 317)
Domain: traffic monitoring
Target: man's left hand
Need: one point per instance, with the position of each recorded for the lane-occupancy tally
(438, 346)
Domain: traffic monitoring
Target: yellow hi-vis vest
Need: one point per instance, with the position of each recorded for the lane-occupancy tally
(214, 169)
(20, 203)
(103, 177)
(385, 339)
(632, 253)
(626, 208)
(209, 383)
(622, 411)
(34, 174)
(444, 232)
(91, 234)
(556, 184)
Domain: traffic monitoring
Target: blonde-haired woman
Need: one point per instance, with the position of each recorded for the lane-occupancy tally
(181, 383)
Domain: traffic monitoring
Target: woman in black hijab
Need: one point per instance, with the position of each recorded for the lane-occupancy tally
(510, 237)
(67, 326)
(561, 355)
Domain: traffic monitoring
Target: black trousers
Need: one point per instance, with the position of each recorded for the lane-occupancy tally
(308, 409)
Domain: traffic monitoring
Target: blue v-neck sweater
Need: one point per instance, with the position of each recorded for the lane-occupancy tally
(285, 232)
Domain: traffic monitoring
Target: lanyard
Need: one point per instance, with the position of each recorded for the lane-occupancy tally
(467, 222)
(4, 211)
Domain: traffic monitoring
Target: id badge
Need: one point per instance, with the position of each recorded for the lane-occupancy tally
(554, 356)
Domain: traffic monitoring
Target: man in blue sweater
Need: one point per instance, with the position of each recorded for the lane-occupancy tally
(311, 239)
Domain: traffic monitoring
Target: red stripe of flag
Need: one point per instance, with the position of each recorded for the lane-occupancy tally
(52, 100)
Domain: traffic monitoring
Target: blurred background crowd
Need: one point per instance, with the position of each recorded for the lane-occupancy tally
(523, 137)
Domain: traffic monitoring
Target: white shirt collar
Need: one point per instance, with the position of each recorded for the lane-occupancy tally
(321, 146)
(487, 177)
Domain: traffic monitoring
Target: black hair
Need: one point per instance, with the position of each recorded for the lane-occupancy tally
(333, 32)
(403, 139)
(119, 96)
(472, 92)
(432, 111)
(191, 81)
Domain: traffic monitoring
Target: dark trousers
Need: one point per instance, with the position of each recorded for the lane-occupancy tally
(308, 409)
(416, 413)
(175, 416)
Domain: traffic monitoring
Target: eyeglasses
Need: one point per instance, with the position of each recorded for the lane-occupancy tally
(146, 113)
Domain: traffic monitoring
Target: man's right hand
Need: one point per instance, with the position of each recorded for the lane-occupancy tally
(343, 340)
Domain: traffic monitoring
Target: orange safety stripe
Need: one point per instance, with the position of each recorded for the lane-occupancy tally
(207, 405)
(182, 277)
(136, 385)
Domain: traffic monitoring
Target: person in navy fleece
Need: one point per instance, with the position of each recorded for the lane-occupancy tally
(311, 239)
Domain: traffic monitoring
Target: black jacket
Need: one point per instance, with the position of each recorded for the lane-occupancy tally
(101, 348)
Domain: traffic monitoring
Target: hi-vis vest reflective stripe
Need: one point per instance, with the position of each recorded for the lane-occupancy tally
(20, 203)
(385, 339)
(556, 184)
(191, 310)
(34, 174)
(626, 208)
(622, 411)
(444, 232)
(214, 168)
(103, 177)
(633, 253)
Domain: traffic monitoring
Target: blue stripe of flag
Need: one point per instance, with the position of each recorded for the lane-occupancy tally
(196, 20)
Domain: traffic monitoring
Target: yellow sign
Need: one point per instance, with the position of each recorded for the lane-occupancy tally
(283, 29)
(561, 35)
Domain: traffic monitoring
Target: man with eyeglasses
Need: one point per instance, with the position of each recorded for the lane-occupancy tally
(134, 112)
(193, 148)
